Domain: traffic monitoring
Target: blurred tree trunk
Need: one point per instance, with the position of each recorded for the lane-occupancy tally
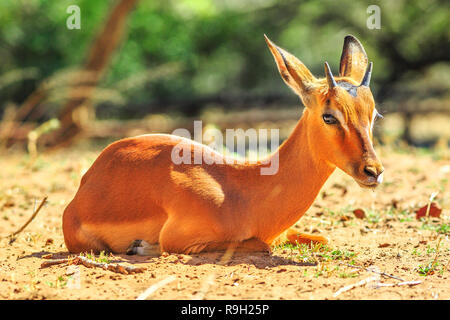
(73, 115)
(407, 122)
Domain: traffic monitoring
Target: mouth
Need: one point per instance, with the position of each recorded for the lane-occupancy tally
(367, 185)
(370, 182)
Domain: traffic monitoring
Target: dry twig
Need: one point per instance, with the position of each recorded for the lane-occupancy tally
(399, 284)
(374, 271)
(12, 236)
(354, 285)
(114, 267)
(150, 290)
(378, 284)
(53, 262)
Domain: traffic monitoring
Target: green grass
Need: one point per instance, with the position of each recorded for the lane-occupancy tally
(325, 259)
(443, 228)
(315, 253)
(102, 257)
(373, 216)
(430, 268)
(347, 275)
(431, 250)
(433, 266)
(400, 215)
(60, 283)
(341, 212)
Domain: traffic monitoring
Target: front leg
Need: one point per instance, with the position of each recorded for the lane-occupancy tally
(190, 237)
(294, 237)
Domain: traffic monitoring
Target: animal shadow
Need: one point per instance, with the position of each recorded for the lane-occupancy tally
(258, 259)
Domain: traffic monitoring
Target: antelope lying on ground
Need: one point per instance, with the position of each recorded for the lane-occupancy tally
(135, 191)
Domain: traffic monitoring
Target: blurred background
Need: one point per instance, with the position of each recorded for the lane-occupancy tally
(136, 67)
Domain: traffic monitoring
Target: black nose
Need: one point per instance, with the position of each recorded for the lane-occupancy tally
(371, 171)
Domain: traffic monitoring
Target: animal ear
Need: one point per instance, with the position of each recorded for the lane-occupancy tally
(353, 59)
(293, 71)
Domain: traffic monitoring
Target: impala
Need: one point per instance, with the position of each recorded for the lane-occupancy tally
(134, 190)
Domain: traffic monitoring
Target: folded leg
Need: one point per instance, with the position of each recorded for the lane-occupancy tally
(296, 237)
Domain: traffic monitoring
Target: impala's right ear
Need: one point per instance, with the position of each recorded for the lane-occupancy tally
(293, 71)
(353, 59)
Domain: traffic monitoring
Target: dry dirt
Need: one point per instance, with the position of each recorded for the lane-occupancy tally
(389, 239)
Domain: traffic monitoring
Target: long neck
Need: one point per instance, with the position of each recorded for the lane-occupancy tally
(281, 199)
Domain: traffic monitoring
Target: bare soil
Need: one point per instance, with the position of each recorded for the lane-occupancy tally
(389, 239)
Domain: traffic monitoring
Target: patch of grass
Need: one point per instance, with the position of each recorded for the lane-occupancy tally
(60, 283)
(433, 266)
(318, 274)
(33, 237)
(443, 228)
(102, 257)
(306, 253)
(400, 215)
(387, 184)
(430, 268)
(407, 219)
(430, 250)
(348, 275)
(342, 211)
(314, 253)
(373, 216)
(342, 255)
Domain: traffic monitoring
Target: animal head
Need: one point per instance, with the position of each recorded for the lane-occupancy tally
(340, 110)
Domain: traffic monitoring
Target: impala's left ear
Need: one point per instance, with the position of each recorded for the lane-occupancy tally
(353, 59)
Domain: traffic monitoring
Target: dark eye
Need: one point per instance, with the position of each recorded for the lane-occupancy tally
(329, 119)
(379, 116)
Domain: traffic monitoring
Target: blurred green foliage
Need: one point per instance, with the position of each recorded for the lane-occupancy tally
(218, 45)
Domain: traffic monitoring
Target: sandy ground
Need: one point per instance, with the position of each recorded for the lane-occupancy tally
(389, 239)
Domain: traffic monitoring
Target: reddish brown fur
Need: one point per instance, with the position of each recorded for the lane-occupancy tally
(134, 191)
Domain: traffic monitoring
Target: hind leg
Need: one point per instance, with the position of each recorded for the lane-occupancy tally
(179, 238)
(77, 238)
(109, 236)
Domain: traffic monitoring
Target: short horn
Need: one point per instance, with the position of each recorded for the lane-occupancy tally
(366, 80)
(330, 79)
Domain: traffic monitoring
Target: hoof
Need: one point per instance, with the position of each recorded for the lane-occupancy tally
(143, 248)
